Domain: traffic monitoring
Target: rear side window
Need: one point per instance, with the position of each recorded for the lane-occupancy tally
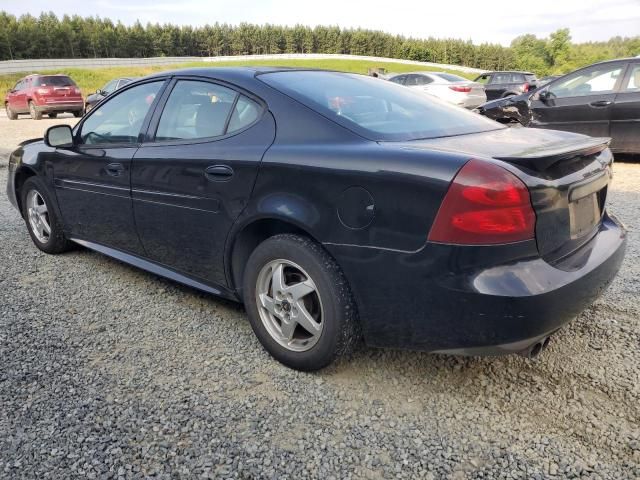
(195, 109)
(244, 114)
(376, 110)
(634, 79)
(54, 81)
(399, 80)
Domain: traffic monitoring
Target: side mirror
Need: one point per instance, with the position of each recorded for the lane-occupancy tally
(59, 136)
(544, 95)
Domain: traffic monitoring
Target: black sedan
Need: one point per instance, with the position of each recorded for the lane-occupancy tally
(335, 206)
(602, 100)
(93, 99)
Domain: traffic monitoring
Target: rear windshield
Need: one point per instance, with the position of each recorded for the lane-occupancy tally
(450, 77)
(376, 109)
(54, 81)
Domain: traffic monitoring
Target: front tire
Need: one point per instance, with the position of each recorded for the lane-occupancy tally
(11, 115)
(33, 111)
(299, 303)
(78, 113)
(44, 226)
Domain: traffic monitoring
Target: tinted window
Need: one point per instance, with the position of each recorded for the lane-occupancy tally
(400, 79)
(120, 118)
(376, 110)
(417, 80)
(195, 110)
(110, 87)
(54, 81)
(244, 114)
(634, 79)
(450, 77)
(593, 80)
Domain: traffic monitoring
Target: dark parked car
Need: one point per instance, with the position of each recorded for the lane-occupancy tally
(333, 205)
(48, 94)
(506, 84)
(602, 100)
(105, 91)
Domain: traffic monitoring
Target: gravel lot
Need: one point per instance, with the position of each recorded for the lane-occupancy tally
(107, 371)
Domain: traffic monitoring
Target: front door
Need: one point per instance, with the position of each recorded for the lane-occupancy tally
(92, 179)
(194, 176)
(580, 102)
(625, 117)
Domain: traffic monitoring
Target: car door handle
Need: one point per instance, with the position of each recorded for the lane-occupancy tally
(218, 173)
(114, 169)
(601, 103)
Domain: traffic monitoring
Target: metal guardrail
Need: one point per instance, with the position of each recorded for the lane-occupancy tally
(28, 66)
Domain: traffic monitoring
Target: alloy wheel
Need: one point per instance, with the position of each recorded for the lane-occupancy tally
(38, 213)
(289, 305)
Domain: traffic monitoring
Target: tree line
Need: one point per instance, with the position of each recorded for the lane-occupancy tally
(47, 36)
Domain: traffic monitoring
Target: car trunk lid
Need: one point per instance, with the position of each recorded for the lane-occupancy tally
(567, 176)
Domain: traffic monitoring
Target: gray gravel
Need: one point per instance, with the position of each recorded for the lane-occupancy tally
(107, 371)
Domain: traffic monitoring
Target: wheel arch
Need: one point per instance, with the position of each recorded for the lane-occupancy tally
(22, 174)
(247, 237)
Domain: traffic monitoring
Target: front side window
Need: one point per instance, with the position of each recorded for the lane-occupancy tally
(120, 118)
(376, 110)
(634, 79)
(595, 80)
(195, 109)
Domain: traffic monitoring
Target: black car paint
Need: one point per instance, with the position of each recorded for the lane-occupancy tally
(409, 292)
(615, 115)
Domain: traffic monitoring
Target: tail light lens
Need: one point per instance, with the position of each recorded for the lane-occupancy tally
(525, 88)
(485, 204)
(76, 91)
(459, 88)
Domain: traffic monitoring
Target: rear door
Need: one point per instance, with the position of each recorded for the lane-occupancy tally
(625, 114)
(580, 102)
(194, 174)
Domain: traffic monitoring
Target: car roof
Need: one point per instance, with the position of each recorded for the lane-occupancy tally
(509, 71)
(229, 73)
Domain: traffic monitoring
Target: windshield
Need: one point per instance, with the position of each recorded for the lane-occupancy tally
(54, 81)
(376, 109)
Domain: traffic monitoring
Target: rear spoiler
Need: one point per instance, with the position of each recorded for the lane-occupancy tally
(541, 159)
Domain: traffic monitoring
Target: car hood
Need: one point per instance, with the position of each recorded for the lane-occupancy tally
(535, 148)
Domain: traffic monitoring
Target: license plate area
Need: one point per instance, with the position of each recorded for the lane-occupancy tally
(584, 214)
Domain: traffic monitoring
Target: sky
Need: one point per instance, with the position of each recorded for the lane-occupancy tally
(496, 21)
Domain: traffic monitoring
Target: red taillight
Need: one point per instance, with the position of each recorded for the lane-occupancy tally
(76, 91)
(485, 204)
(459, 88)
(525, 88)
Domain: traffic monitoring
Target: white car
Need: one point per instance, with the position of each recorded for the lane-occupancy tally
(449, 87)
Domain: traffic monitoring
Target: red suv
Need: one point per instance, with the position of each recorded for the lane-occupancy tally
(38, 94)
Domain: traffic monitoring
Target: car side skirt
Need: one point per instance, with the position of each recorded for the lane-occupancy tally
(158, 269)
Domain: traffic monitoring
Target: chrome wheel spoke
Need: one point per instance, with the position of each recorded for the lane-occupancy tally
(45, 226)
(306, 320)
(301, 289)
(38, 215)
(277, 279)
(41, 209)
(267, 302)
(287, 327)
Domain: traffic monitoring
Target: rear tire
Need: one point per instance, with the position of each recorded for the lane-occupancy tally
(33, 111)
(44, 226)
(52, 115)
(11, 115)
(309, 318)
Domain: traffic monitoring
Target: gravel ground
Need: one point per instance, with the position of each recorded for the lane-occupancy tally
(107, 371)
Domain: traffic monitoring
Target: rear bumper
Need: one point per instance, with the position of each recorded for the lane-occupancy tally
(60, 107)
(476, 300)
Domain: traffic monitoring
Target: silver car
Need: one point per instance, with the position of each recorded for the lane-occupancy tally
(447, 86)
